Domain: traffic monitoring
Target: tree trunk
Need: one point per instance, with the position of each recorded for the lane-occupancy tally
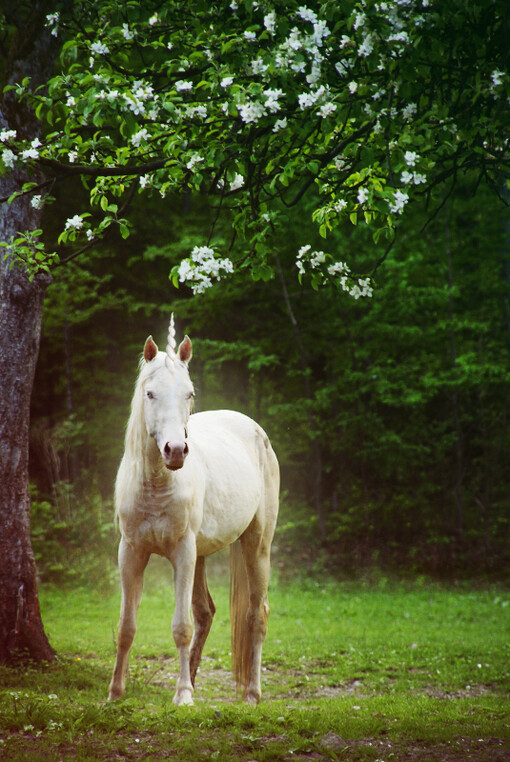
(22, 636)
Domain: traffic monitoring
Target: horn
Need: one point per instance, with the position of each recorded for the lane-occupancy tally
(171, 344)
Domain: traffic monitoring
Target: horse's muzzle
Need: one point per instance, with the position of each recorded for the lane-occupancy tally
(174, 455)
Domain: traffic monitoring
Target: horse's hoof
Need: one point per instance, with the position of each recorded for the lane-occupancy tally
(184, 697)
(252, 698)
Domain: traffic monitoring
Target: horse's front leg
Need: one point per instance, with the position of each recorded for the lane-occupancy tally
(132, 563)
(183, 558)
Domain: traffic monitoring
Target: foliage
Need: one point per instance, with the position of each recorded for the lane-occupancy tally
(258, 103)
(73, 538)
(378, 380)
(432, 672)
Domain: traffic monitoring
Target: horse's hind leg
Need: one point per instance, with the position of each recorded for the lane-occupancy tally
(203, 612)
(257, 560)
(132, 564)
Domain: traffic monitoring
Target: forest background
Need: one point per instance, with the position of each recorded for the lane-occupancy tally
(389, 415)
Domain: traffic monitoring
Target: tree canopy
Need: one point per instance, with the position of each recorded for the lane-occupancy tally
(361, 105)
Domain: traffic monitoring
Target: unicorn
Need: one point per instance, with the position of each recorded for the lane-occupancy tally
(189, 485)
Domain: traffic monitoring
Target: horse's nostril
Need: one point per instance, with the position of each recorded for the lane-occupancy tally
(186, 448)
(167, 449)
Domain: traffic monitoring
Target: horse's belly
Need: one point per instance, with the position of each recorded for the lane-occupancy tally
(213, 537)
(226, 515)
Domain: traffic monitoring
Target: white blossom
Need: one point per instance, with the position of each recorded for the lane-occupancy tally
(363, 194)
(410, 158)
(280, 124)
(127, 33)
(497, 77)
(29, 153)
(316, 259)
(8, 157)
(139, 136)
(320, 32)
(400, 199)
(144, 181)
(251, 111)
(194, 159)
(226, 81)
(272, 99)
(338, 268)
(75, 222)
(359, 20)
(52, 20)
(298, 66)
(250, 35)
(311, 97)
(153, 19)
(183, 84)
(37, 202)
(100, 48)
(237, 182)
(202, 267)
(7, 135)
(307, 15)
(258, 66)
(353, 86)
(327, 109)
(399, 37)
(339, 205)
(270, 22)
(366, 46)
(409, 110)
(72, 156)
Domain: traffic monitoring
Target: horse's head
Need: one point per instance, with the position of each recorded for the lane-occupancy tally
(168, 394)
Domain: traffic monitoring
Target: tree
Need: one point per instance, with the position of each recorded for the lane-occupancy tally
(21, 631)
(258, 104)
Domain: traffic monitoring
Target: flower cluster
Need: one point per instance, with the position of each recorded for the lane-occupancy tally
(340, 272)
(202, 268)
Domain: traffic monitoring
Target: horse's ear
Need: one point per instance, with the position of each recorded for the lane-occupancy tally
(185, 350)
(150, 349)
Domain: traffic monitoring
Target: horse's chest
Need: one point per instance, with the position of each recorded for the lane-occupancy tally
(158, 528)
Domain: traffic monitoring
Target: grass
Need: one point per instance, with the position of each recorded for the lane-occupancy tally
(351, 672)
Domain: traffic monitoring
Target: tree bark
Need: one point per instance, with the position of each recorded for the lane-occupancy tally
(22, 636)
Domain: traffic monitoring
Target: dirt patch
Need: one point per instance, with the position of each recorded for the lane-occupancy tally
(157, 746)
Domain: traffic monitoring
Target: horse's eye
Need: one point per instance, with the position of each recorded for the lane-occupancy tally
(150, 395)
(191, 395)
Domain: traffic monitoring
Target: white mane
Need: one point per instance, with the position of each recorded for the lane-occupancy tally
(132, 473)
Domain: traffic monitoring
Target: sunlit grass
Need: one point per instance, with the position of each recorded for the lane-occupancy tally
(345, 666)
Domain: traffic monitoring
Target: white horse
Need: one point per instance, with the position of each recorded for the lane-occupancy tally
(187, 486)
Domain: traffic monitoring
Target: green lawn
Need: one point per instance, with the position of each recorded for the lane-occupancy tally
(395, 671)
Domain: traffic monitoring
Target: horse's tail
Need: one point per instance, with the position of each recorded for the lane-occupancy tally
(241, 638)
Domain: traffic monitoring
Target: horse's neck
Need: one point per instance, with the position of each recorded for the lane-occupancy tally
(153, 466)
